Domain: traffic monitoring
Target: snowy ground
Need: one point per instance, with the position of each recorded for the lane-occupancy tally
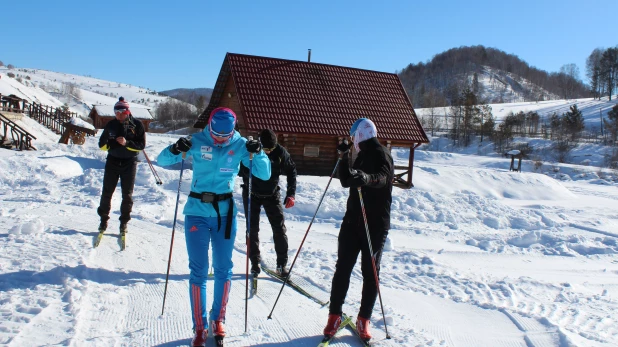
(477, 256)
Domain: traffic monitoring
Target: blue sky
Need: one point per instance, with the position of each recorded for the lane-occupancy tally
(173, 44)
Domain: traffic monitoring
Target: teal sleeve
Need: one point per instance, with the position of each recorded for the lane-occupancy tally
(166, 157)
(261, 165)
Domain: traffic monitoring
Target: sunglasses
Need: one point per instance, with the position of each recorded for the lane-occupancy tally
(269, 149)
(122, 110)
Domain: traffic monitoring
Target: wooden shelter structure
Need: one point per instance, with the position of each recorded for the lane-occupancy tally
(12, 103)
(102, 114)
(312, 106)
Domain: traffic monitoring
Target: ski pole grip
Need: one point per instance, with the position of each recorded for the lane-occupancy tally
(250, 154)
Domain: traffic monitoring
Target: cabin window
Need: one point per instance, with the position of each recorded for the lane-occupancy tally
(312, 151)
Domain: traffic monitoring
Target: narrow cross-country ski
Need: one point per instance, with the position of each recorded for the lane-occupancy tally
(292, 284)
(98, 238)
(352, 326)
(122, 239)
(327, 339)
(254, 283)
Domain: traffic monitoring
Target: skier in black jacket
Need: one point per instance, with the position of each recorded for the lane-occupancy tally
(267, 194)
(373, 171)
(123, 138)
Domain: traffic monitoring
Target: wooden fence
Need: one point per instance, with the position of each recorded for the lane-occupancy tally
(21, 139)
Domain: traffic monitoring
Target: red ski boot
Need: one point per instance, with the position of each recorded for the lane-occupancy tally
(334, 321)
(362, 327)
(199, 340)
(218, 331)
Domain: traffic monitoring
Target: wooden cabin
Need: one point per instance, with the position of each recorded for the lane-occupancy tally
(101, 114)
(312, 106)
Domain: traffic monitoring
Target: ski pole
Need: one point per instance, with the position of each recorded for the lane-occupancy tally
(154, 172)
(169, 260)
(247, 236)
(373, 261)
(306, 233)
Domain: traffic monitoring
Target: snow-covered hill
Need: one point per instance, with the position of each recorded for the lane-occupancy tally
(592, 109)
(497, 86)
(79, 92)
(477, 256)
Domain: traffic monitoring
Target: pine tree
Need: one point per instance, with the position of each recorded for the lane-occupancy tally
(574, 122)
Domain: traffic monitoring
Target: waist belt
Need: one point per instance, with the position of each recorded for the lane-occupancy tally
(212, 198)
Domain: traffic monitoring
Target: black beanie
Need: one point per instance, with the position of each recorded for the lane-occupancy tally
(268, 138)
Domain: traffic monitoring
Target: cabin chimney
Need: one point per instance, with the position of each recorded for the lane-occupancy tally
(309, 57)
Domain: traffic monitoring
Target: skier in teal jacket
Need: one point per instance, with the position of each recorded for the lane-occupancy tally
(210, 211)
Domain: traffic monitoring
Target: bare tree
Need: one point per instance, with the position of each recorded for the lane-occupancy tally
(571, 72)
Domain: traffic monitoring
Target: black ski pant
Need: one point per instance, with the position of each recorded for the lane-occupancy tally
(123, 169)
(353, 240)
(274, 212)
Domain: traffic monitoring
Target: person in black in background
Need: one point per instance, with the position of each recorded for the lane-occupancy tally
(123, 138)
(373, 172)
(267, 194)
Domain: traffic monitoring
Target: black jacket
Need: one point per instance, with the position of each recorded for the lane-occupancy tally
(376, 161)
(280, 164)
(131, 129)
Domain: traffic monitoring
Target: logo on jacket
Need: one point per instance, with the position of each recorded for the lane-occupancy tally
(193, 228)
(231, 152)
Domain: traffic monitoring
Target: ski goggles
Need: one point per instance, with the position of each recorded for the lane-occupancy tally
(222, 135)
(124, 111)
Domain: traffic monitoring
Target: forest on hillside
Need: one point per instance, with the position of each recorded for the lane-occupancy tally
(441, 81)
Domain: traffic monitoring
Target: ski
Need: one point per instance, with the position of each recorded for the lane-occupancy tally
(327, 339)
(123, 241)
(292, 284)
(98, 239)
(352, 326)
(254, 283)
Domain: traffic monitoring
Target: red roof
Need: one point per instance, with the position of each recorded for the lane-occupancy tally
(290, 96)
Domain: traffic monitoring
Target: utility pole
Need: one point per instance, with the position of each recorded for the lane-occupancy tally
(601, 116)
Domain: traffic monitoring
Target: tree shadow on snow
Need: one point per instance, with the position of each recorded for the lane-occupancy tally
(27, 279)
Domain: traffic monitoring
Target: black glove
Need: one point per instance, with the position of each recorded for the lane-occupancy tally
(343, 147)
(359, 179)
(253, 146)
(112, 143)
(182, 145)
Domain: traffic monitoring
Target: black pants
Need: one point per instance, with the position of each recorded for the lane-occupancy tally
(353, 240)
(123, 169)
(274, 212)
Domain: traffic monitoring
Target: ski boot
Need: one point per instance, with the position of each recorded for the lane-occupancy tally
(199, 340)
(362, 327)
(218, 331)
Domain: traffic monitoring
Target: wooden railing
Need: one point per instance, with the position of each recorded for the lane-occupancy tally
(21, 139)
(52, 117)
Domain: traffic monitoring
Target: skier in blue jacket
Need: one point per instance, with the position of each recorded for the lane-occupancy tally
(210, 211)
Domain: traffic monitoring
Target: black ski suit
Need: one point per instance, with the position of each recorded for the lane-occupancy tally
(267, 194)
(376, 161)
(121, 164)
